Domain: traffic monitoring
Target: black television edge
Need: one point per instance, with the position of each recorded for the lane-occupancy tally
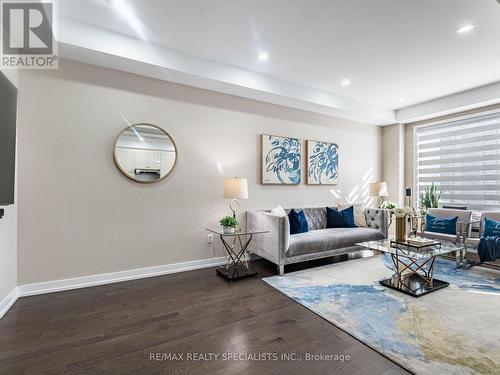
(8, 117)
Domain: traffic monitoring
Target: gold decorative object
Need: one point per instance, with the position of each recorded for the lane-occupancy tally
(401, 232)
(401, 215)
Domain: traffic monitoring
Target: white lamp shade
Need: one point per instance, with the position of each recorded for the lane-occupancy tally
(378, 189)
(236, 188)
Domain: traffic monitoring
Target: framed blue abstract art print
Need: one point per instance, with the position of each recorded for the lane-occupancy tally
(281, 160)
(322, 163)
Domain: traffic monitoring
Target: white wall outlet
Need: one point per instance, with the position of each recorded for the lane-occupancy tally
(210, 238)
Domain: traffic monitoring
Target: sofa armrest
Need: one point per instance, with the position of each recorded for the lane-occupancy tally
(454, 238)
(472, 244)
(377, 218)
(272, 245)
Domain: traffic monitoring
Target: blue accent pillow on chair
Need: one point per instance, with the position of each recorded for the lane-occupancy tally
(441, 225)
(340, 219)
(491, 228)
(298, 222)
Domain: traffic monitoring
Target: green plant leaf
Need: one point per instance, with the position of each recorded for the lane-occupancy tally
(430, 197)
(228, 221)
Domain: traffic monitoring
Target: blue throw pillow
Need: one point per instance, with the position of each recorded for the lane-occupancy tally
(298, 222)
(491, 228)
(441, 225)
(340, 219)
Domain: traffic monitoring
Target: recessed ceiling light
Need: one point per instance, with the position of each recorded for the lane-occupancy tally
(345, 82)
(122, 8)
(402, 100)
(263, 56)
(125, 11)
(465, 28)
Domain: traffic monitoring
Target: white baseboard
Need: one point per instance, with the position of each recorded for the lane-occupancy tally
(8, 301)
(116, 277)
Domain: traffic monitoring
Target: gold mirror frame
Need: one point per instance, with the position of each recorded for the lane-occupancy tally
(125, 173)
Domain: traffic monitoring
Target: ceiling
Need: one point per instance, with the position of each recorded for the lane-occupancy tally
(395, 53)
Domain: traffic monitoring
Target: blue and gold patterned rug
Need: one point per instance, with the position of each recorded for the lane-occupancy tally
(455, 330)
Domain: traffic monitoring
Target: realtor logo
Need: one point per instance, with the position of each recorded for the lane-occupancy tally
(27, 35)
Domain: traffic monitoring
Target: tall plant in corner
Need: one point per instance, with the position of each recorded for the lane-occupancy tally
(430, 197)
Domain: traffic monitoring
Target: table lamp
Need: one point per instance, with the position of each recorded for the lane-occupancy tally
(379, 190)
(234, 189)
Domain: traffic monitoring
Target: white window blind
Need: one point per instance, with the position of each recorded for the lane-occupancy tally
(463, 159)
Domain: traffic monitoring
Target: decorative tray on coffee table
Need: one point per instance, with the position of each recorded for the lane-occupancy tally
(416, 243)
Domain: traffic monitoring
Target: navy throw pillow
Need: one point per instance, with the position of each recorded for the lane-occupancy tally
(441, 225)
(340, 219)
(491, 228)
(298, 222)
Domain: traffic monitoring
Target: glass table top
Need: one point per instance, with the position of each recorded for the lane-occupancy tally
(385, 246)
(220, 232)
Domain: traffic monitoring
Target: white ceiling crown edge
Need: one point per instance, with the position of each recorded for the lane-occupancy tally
(93, 46)
(462, 101)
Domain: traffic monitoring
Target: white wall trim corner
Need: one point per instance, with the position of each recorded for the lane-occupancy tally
(462, 101)
(8, 301)
(401, 164)
(116, 277)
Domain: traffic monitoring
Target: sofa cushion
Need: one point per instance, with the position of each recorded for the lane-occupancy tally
(298, 222)
(278, 211)
(490, 215)
(491, 228)
(340, 219)
(316, 216)
(463, 215)
(440, 224)
(330, 239)
(359, 213)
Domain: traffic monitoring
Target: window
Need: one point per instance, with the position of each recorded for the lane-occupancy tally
(463, 158)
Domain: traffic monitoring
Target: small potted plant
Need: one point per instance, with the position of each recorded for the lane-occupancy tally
(429, 198)
(228, 224)
(388, 205)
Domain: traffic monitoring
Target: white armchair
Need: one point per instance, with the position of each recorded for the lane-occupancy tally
(462, 232)
(491, 215)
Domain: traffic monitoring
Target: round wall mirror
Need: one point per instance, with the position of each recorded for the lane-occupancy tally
(145, 153)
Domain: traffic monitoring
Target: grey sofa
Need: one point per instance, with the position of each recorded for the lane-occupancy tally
(282, 248)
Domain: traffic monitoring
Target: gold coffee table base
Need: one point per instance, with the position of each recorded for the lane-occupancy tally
(413, 278)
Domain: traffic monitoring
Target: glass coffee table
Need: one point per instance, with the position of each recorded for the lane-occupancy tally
(413, 266)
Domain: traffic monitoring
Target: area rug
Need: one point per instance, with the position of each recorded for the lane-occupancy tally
(455, 330)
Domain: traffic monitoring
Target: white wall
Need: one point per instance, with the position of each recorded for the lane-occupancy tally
(8, 238)
(8, 251)
(393, 147)
(79, 216)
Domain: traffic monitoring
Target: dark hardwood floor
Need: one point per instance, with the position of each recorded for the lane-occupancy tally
(114, 329)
